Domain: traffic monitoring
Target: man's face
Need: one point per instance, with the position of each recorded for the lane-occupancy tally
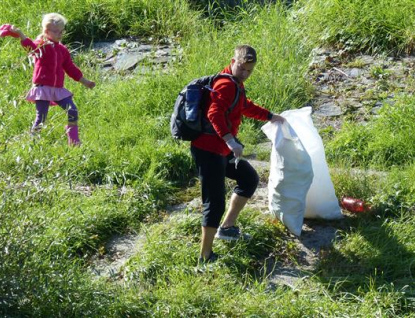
(241, 70)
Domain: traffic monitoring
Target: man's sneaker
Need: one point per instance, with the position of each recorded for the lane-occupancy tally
(212, 258)
(231, 233)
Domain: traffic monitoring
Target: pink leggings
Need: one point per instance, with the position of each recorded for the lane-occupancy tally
(42, 108)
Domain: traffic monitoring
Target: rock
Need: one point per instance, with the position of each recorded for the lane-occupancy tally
(366, 59)
(315, 237)
(375, 110)
(127, 60)
(355, 72)
(349, 103)
(126, 55)
(341, 90)
(367, 81)
(328, 110)
(118, 250)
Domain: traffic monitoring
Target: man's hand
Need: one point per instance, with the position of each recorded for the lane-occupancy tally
(277, 118)
(236, 147)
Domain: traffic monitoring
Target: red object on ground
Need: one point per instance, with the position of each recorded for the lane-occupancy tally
(5, 31)
(354, 205)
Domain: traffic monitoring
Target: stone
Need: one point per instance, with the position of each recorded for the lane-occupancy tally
(126, 55)
(328, 110)
(355, 72)
(127, 60)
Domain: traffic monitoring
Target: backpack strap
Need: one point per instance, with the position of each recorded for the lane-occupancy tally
(208, 126)
(238, 90)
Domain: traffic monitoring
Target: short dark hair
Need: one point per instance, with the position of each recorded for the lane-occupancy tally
(245, 54)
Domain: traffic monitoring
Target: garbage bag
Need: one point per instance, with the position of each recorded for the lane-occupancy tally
(321, 199)
(290, 177)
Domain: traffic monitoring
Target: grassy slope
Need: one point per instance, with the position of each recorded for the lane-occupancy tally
(59, 205)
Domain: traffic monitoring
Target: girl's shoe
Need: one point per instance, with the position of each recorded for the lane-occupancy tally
(73, 135)
(35, 131)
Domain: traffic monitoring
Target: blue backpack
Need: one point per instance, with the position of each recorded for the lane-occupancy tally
(187, 121)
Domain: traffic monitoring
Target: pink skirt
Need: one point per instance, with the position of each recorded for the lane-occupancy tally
(44, 92)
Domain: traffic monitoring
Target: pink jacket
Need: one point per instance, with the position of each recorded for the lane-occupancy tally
(52, 61)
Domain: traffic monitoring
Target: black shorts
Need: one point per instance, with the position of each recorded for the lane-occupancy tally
(212, 170)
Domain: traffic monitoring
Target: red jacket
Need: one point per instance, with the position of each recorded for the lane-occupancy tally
(219, 101)
(52, 61)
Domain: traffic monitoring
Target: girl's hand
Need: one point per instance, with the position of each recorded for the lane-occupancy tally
(87, 83)
(19, 32)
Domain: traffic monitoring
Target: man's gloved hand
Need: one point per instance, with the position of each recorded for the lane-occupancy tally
(277, 118)
(235, 146)
(236, 161)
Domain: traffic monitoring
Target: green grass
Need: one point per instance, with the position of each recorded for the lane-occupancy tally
(384, 142)
(369, 26)
(106, 19)
(60, 205)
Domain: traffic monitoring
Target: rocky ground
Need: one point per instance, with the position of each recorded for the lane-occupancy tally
(346, 86)
(131, 56)
(356, 86)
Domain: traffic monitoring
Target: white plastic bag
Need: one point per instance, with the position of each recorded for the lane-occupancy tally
(290, 177)
(321, 198)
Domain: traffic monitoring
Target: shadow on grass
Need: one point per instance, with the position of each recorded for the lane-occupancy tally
(373, 257)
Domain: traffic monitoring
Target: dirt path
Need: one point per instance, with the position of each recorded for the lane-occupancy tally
(315, 236)
(345, 85)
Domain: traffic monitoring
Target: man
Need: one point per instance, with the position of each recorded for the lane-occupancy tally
(219, 155)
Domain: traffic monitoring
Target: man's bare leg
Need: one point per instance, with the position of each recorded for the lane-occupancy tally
(236, 204)
(208, 234)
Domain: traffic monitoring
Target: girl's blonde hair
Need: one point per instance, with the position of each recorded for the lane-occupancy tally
(53, 19)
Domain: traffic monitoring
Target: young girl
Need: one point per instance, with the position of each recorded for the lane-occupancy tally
(51, 61)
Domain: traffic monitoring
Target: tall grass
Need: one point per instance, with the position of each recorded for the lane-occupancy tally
(277, 82)
(386, 141)
(94, 20)
(60, 205)
(368, 26)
